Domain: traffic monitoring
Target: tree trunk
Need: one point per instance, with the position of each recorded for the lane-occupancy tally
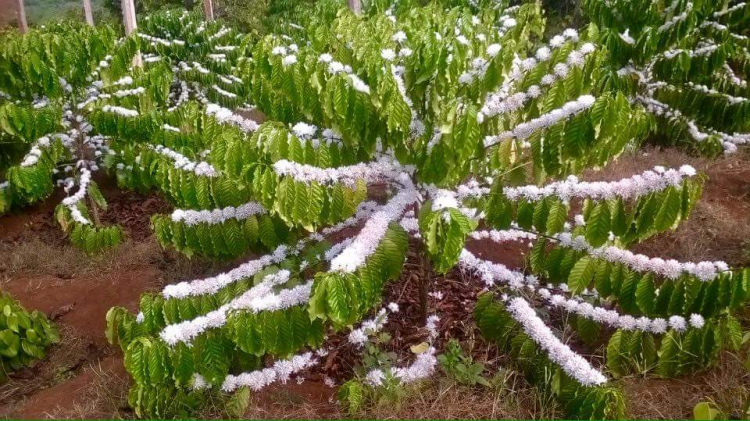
(87, 12)
(128, 18)
(208, 9)
(423, 297)
(355, 6)
(424, 280)
(21, 14)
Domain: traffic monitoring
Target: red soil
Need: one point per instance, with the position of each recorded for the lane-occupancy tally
(77, 301)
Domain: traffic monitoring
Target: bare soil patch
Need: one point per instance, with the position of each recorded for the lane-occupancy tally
(42, 271)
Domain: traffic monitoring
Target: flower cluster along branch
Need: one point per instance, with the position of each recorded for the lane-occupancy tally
(503, 235)
(71, 201)
(499, 104)
(383, 169)
(573, 364)
(258, 298)
(280, 372)
(633, 187)
(730, 10)
(32, 157)
(520, 67)
(731, 99)
(676, 19)
(615, 320)
(121, 111)
(225, 115)
(309, 132)
(671, 269)
(217, 216)
(213, 284)
(223, 92)
(182, 162)
(375, 228)
(161, 41)
(728, 141)
(526, 129)
(494, 272)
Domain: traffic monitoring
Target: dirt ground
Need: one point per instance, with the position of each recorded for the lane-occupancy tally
(83, 377)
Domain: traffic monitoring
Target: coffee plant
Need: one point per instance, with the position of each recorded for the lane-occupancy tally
(681, 59)
(465, 117)
(24, 336)
(46, 140)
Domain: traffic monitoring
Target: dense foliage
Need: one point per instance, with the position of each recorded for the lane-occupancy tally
(453, 108)
(24, 336)
(687, 64)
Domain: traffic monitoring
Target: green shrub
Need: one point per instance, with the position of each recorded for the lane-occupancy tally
(24, 336)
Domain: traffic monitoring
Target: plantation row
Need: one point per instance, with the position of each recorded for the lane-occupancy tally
(475, 124)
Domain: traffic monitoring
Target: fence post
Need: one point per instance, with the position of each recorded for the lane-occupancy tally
(208, 9)
(355, 6)
(128, 18)
(87, 11)
(21, 14)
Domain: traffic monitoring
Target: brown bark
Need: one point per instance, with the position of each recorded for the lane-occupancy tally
(208, 9)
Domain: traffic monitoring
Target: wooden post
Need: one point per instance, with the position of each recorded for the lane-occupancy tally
(128, 18)
(355, 6)
(208, 9)
(21, 14)
(87, 11)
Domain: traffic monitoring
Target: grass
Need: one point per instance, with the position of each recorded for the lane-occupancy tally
(510, 397)
(37, 257)
(106, 397)
(727, 384)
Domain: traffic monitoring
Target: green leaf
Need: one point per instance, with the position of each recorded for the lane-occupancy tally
(351, 395)
(588, 329)
(237, 405)
(669, 211)
(706, 411)
(616, 360)
(598, 225)
(645, 294)
(557, 215)
(581, 275)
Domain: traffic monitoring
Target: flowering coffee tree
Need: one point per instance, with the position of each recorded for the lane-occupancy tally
(46, 138)
(449, 108)
(681, 59)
